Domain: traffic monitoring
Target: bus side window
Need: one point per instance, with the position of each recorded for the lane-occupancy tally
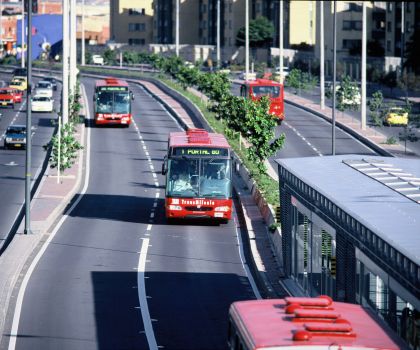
(243, 90)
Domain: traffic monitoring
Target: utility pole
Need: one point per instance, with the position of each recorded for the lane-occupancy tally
(28, 174)
(1, 28)
(246, 39)
(402, 37)
(334, 74)
(73, 49)
(83, 61)
(65, 61)
(281, 34)
(177, 29)
(322, 54)
(364, 31)
(218, 33)
(22, 57)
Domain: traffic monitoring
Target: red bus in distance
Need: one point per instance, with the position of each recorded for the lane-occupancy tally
(255, 89)
(307, 323)
(112, 102)
(198, 168)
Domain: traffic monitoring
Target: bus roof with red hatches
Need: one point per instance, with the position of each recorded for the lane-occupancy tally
(197, 138)
(111, 82)
(266, 324)
(263, 82)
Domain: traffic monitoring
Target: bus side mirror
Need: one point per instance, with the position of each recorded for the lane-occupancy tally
(165, 166)
(132, 95)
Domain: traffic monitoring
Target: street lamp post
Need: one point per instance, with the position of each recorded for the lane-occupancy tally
(281, 62)
(218, 34)
(177, 28)
(83, 60)
(364, 31)
(246, 39)
(22, 55)
(28, 152)
(322, 59)
(65, 61)
(334, 75)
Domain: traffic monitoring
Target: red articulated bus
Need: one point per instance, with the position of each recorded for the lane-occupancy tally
(112, 102)
(255, 89)
(306, 323)
(198, 170)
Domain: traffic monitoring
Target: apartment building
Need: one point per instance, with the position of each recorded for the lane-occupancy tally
(131, 21)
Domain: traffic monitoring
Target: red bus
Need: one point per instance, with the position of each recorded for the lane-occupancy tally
(112, 102)
(198, 170)
(255, 89)
(306, 323)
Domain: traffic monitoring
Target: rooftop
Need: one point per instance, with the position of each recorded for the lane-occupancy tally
(386, 211)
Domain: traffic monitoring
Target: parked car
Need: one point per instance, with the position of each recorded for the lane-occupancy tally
(98, 59)
(285, 70)
(15, 136)
(44, 88)
(7, 98)
(396, 116)
(53, 82)
(42, 104)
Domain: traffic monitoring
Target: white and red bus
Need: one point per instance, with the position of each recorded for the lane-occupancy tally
(306, 323)
(112, 102)
(198, 170)
(255, 89)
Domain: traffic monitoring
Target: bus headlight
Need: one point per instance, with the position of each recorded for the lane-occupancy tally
(100, 116)
(8, 139)
(224, 208)
(174, 207)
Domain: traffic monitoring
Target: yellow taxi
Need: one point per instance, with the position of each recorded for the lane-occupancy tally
(396, 116)
(19, 83)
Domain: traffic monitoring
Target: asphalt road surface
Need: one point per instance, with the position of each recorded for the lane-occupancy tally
(115, 275)
(12, 161)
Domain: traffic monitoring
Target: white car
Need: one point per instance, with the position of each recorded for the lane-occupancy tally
(98, 59)
(285, 71)
(42, 104)
(44, 88)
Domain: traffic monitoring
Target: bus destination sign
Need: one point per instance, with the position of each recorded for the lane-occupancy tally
(200, 151)
(113, 88)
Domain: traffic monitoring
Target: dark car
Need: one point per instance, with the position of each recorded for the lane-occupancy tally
(53, 82)
(20, 72)
(15, 136)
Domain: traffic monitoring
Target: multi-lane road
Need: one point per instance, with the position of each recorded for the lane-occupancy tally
(12, 161)
(114, 275)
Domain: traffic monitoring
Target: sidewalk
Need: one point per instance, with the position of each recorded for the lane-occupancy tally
(47, 206)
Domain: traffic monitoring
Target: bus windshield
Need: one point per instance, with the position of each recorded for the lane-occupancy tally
(199, 177)
(113, 102)
(271, 91)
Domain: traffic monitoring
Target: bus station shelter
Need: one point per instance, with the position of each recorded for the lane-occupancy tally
(351, 230)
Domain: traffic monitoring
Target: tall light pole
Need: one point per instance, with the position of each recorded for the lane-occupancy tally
(22, 56)
(364, 31)
(218, 33)
(246, 39)
(1, 27)
(83, 61)
(65, 60)
(73, 49)
(177, 28)
(334, 75)
(28, 174)
(281, 34)
(402, 38)
(322, 52)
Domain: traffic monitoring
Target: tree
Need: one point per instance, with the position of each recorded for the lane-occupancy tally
(261, 32)
(375, 108)
(412, 52)
(348, 95)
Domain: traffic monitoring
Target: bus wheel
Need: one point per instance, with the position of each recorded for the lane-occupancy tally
(224, 221)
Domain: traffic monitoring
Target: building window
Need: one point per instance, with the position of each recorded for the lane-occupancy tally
(389, 27)
(136, 11)
(346, 25)
(136, 27)
(389, 6)
(136, 42)
(388, 45)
